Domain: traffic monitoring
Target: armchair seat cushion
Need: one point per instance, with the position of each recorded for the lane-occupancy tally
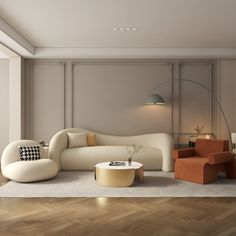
(193, 169)
(191, 163)
(30, 171)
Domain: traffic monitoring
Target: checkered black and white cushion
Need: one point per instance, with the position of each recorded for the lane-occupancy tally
(29, 153)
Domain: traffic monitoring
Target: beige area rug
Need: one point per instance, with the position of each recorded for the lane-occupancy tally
(82, 184)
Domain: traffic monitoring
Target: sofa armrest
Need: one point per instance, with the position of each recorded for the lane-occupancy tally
(58, 143)
(220, 157)
(181, 153)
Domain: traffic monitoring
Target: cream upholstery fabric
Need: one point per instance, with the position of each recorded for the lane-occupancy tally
(160, 141)
(30, 171)
(85, 158)
(77, 139)
(26, 171)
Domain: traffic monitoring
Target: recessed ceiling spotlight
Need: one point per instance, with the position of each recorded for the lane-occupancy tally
(124, 28)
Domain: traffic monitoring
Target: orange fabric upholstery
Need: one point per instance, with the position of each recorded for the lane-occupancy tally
(220, 157)
(202, 163)
(205, 146)
(181, 153)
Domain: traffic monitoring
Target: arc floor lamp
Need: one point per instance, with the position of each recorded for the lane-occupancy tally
(156, 99)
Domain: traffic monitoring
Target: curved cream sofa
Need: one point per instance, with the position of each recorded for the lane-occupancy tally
(26, 171)
(155, 154)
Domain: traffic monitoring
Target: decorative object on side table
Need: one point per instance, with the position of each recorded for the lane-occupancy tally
(198, 129)
(132, 150)
(117, 163)
(44, 145)
(192, 139)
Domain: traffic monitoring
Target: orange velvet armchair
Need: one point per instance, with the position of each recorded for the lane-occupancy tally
(202, 163)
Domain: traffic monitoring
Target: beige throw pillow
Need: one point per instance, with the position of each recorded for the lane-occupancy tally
(77, 140)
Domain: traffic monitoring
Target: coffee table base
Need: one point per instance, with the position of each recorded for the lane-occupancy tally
(118, 178)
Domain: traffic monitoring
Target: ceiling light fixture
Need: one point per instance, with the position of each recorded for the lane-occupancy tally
(124, 28)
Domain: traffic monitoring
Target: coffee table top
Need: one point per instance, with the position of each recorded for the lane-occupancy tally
(134, 165)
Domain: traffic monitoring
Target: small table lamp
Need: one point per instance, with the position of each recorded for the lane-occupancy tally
(233, 135)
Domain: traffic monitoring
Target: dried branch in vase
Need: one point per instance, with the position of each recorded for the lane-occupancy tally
(132, 150)
(198, 129)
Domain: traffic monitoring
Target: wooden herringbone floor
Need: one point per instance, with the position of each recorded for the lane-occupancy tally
(117, 216)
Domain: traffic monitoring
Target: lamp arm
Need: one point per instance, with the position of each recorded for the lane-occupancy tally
(159, 85)
(206, 88)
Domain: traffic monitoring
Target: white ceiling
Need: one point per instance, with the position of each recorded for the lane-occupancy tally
(84, 28)
(89, 23)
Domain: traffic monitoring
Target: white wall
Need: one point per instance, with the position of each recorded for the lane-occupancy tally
(4, 103)
(108, 96)
(47, 100)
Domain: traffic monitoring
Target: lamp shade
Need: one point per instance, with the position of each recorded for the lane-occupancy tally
(233, 138)
(154, 99)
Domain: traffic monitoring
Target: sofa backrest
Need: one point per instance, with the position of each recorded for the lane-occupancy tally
(205, 146)
(162, 141)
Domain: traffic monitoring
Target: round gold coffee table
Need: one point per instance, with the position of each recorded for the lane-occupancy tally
(118, 176)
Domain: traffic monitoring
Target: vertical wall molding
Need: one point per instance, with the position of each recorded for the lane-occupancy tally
(179, 102)
(68, 94)
(72, 92)
(172, 99)
(210, 108)
(64, 95)
(219, 97)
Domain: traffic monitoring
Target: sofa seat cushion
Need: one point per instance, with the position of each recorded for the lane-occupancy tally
(85, 158)
(30, 171)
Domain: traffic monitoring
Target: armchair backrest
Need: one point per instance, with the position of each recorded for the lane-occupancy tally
(12, 154)
(205, 146)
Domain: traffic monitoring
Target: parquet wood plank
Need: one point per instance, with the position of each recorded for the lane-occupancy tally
(118, 216)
